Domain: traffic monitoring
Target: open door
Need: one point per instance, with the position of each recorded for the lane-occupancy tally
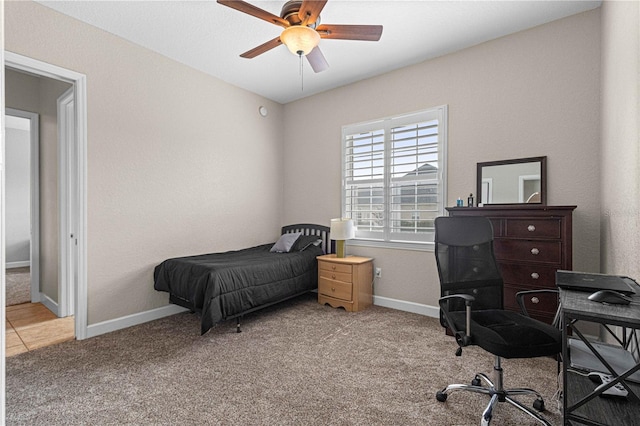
(22, 198)
(68, 203)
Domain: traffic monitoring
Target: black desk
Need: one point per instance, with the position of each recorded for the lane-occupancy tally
(581, 404)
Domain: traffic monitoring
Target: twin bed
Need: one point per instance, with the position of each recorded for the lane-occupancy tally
(224, 286)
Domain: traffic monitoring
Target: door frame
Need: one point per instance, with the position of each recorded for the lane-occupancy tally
(34, 248)
(79, 184)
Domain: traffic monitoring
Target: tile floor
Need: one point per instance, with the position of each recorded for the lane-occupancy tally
(31, 326)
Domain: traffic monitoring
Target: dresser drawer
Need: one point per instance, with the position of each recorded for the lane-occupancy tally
(533, 228)
(528, 275)
(538, 305)
(530, 251)
(335, 267)
(336, 276)
(335, 289)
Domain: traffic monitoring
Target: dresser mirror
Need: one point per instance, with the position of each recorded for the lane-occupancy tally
(518, 181)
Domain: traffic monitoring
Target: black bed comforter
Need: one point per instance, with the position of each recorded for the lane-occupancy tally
(225, 285)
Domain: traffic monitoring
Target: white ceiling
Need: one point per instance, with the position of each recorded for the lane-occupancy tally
(210, 37)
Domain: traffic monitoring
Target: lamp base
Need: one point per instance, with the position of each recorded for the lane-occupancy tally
(340, 252)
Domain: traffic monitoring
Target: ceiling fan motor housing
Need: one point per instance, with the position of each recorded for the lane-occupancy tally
(290, 13)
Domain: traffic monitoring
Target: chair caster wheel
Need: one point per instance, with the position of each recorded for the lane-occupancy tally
(538, 404)
(476, 381)
(441, 396)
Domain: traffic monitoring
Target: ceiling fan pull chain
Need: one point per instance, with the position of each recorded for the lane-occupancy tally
(301, 72)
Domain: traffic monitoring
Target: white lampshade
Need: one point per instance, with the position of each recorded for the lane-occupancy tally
(342, 229)
(300, 40)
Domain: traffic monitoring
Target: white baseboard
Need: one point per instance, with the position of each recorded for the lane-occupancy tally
(133, 319)
(402, 305)
(165, 311)
(21, 264)
(49, 303)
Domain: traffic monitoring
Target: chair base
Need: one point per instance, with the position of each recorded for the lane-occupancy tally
(497, 394)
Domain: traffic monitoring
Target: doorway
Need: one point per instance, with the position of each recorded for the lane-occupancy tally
(72, 188)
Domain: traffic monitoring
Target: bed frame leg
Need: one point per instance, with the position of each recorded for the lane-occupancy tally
(238, 325)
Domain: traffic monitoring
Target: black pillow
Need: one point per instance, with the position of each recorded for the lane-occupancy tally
(285, 243)
(304, 241)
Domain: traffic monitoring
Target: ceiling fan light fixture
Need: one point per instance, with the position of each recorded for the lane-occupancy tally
(300, 40)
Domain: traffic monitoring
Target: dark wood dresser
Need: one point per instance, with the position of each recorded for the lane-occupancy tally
(531, 242)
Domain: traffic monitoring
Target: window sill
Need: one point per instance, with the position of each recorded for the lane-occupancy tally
(395, 245)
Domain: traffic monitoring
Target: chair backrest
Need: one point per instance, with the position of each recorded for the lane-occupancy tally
(466, 262)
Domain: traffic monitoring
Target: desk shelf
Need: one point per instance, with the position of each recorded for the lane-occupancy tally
(611, 411)
(601, 410)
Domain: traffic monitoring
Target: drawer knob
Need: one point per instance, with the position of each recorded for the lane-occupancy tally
(535, 251)
(531, 228)
(535, 300)
(333, 276)
(333, 289)
(535, 275)
(333, 267)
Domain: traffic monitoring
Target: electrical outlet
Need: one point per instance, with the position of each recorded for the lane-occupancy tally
(378, 272)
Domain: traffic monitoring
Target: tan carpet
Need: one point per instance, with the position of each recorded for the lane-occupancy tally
(18, 286)
(298, 363)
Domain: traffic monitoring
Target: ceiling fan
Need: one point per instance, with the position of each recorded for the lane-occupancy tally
(302, 29)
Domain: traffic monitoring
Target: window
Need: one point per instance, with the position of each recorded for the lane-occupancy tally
(394, 177)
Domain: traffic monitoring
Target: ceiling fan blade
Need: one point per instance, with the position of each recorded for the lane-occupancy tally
(262, 48)
(310, 10)
(317, 61)
(252, 10)
(350, 32)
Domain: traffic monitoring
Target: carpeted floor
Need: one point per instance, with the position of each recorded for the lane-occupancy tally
(18, 286)
(298, 363)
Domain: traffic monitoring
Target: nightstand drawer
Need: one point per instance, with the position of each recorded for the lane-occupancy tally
(337, 276)
(334, 267)
(336, 289)
(345, 282)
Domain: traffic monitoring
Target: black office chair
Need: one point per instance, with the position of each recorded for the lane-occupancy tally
(471, 306)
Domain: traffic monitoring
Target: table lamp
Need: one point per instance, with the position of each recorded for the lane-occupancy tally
(342, 229)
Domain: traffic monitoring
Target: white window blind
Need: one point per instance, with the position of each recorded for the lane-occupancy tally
(393, 176)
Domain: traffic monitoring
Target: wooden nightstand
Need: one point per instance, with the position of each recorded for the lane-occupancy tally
(345, 282)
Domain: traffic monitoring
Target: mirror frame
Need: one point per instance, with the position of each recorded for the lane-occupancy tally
(543, 177)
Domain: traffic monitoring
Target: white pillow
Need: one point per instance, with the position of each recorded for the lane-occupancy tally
(285, 242)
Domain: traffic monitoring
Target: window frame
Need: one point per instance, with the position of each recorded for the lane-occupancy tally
(385, 239)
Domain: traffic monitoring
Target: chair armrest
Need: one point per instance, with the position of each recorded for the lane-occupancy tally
(468, 299)
(520, 298)
(463, 338)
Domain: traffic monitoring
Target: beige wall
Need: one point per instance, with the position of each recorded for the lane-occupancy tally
(529, 94)
(39, 95)
(179, 162)
(620, 153)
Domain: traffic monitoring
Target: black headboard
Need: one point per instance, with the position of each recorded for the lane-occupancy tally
(321, 231)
